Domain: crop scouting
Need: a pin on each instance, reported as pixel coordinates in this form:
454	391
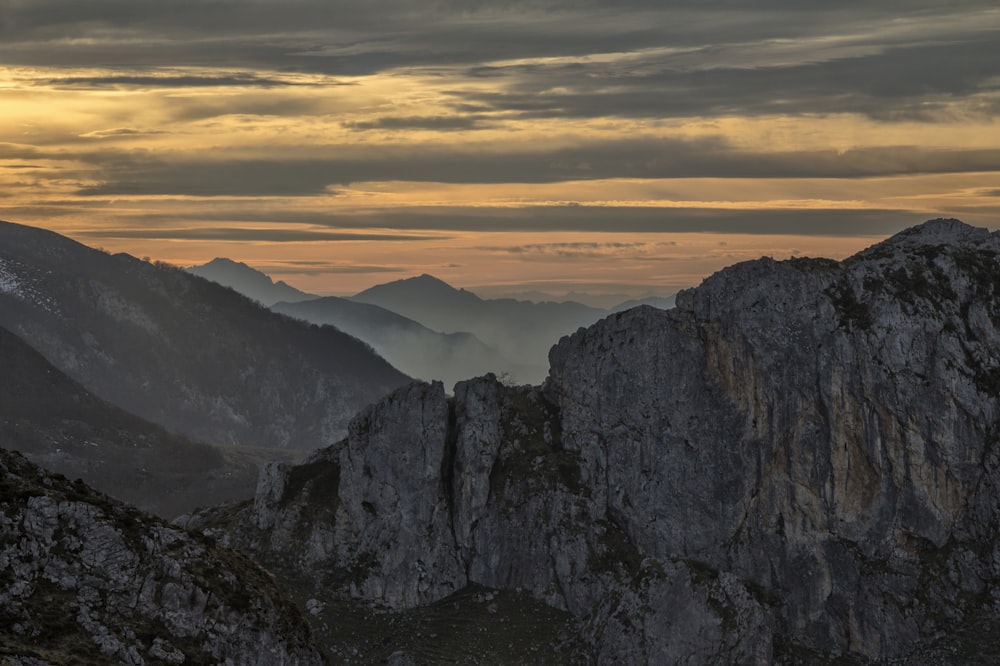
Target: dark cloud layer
131	174
906	82
689	58
167	81
274	235
634	219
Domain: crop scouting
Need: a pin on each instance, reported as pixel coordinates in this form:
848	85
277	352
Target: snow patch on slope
9	284
23	285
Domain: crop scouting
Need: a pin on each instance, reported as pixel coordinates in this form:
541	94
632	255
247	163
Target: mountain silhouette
415	349
661	302
249	281
521	330
181	351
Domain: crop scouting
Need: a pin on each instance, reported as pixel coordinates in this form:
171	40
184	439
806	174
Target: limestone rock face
799	462
84	579
394	518
825	432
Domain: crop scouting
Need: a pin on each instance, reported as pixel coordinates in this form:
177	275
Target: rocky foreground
87	580
798	463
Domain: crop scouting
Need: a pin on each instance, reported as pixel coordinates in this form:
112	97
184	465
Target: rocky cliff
87	580
798	463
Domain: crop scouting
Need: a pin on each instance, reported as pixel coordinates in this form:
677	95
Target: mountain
416	350
58	424
249	282
525	330
87	580
521	330
603	301
797	464
180	351
661	302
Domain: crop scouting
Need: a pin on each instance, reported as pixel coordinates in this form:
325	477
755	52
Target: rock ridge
798	463
85	579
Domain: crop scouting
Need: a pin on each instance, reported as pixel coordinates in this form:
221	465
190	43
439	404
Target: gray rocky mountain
413	348
181	351
87	580
797	464
249	282
522	331
58	424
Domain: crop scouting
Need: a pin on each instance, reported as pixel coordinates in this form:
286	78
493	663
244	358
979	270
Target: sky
627	147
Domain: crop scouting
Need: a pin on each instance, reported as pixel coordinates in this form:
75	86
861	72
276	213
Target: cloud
517	93
539	60
440	123
574	250
137	173
272	235
911	81
171	81
120	132
632	219
320	268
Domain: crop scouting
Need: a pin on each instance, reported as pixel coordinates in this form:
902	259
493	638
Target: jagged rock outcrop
799	462
85	579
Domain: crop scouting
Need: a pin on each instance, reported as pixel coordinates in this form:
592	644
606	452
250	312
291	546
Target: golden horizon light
604	148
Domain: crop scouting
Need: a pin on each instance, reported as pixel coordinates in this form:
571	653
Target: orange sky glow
546	148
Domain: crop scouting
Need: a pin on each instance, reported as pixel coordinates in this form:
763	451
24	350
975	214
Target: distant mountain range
660	302
520	330
427	328
610	302
415	349
181	351
57	423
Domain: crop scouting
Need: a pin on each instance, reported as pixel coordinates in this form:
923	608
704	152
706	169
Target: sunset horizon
518	147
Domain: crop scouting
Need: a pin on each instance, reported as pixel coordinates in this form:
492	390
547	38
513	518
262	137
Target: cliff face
84	579
800	460
825	432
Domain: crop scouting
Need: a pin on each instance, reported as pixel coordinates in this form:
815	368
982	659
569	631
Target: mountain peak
938	231
225	261
428	280
424	286
249	281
